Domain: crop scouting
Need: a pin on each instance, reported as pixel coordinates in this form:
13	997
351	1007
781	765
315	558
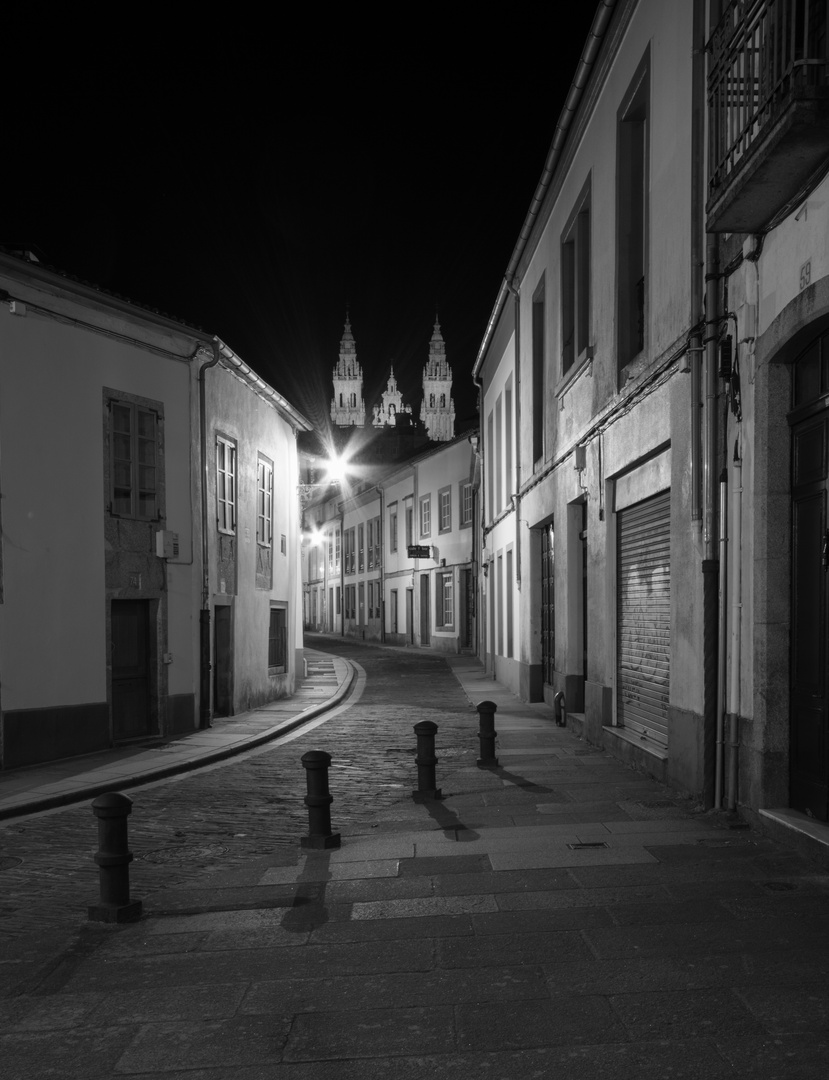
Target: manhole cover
8	861
183	854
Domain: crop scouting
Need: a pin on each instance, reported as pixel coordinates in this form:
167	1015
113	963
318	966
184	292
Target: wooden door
130	630
223	661
425	612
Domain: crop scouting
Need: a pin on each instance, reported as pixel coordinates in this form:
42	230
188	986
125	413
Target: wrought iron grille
760	53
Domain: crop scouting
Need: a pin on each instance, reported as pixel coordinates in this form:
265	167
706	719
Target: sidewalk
59	783
557	915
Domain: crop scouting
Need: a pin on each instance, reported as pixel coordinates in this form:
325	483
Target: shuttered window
644	618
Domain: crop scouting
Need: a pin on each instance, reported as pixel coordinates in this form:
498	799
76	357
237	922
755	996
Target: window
337	548
575	284
134	460
393	530
632	216
278	641
497	464
538	380
264	503
465	500
426	515
226	484
377	544
489	465
510	479
444	600
349	551
409	524
361	542
370	545
445	509
330	538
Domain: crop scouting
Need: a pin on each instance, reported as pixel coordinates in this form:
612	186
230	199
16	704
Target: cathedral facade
437	410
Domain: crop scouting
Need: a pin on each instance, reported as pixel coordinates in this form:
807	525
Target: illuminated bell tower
387	413
348	409
438	409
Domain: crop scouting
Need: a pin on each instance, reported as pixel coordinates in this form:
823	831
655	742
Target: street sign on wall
419	551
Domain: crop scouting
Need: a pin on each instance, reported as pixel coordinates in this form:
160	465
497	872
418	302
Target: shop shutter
644	617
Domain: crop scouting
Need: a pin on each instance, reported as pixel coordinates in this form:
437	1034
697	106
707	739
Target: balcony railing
765	56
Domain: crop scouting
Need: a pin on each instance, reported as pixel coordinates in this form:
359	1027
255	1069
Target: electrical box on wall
166	544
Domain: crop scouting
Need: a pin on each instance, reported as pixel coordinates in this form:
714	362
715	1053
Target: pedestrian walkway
56	783
556	914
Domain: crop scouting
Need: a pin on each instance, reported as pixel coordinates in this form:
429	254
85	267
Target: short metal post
318	800
487	733
113	858
426	761
560	707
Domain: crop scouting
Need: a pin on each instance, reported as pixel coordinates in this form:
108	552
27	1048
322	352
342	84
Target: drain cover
587	847
183	854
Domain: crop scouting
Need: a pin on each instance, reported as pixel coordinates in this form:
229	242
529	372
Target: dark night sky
257	187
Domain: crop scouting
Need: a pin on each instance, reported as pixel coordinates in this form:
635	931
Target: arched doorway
809	666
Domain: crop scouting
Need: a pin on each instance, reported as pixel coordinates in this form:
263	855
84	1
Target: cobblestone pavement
198	824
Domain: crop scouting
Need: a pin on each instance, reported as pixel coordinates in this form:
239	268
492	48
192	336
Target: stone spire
348	407
438	409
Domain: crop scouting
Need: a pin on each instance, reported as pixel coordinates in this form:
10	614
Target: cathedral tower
348	407
438	409
392	406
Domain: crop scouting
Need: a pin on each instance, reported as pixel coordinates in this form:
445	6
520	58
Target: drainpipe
721	659
204	615
736	628
697	266
712	695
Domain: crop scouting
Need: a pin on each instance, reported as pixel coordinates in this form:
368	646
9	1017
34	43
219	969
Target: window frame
226	506
393	528
465	521
576	282
264	502
136	409
425	515
445	509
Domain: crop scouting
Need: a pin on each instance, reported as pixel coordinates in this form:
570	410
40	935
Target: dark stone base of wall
181	714
31	736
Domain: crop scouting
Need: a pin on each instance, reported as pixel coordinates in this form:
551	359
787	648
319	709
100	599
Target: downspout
697	266
712	694
736	628
483	611
204	615
722	630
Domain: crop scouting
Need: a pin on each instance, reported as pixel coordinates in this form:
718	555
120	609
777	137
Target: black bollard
426	761
113	858
560	707
487	733
318	800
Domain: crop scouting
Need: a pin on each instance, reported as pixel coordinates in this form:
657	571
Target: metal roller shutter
644	617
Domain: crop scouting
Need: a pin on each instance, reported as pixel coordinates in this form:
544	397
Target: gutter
571	104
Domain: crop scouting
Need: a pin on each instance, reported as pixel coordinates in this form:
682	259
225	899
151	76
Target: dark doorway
425	613
131	667
410	616
223	662
548	603
809	747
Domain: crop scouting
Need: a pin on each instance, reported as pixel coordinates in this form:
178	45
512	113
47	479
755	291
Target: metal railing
760	53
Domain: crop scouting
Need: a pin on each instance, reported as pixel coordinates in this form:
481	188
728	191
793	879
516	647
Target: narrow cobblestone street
194	825
555	914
